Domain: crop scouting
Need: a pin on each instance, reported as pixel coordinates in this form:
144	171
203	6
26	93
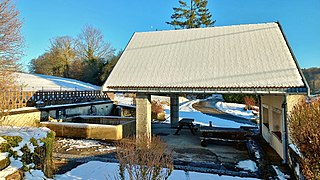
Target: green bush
304	125
41	157
47	161
12	141
238	98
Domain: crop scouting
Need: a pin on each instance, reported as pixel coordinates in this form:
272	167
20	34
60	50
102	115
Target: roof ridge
194	29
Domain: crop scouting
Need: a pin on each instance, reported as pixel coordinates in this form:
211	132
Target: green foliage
85	58
34	142
304	125
12	141
238	98
195	15
27	155
48	148
107	69
57	60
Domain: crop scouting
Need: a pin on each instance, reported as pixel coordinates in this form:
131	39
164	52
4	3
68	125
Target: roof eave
230	90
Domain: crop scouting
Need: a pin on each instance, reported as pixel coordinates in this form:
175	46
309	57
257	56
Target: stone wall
91	131
22	117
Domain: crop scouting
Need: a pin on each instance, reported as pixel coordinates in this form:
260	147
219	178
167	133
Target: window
277	122
265	116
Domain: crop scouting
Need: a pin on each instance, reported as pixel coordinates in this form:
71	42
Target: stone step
4	162
11	173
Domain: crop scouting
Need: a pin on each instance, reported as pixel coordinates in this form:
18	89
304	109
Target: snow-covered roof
239	56
38	82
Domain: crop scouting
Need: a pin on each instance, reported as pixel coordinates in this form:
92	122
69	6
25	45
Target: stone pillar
174	110
143	116
110	95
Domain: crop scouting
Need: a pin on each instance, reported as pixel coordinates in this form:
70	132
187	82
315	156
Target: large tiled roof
239	56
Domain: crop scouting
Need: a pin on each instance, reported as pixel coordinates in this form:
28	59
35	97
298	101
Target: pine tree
194	16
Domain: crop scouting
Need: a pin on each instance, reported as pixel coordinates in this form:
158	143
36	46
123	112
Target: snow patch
295	149
2	140
36	82
248	165
96	170
187	111
280	174
84	143
3	156
35	175
121	99
235	110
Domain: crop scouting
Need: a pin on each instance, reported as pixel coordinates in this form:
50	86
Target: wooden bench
186	122
221	134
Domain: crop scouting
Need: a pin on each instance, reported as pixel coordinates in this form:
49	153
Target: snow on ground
36	82
281	175
235	110
3	155
121	99
248	165
84	143
35	175
2	140
187	111
101	170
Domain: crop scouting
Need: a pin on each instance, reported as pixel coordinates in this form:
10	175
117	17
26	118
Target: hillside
313	77
36	82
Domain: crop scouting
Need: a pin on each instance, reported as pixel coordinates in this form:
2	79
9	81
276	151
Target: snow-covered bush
139	159
304	124
31	153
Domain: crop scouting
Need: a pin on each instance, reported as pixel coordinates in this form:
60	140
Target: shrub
12	141
250	102
143	160
238	98
156	108
304	125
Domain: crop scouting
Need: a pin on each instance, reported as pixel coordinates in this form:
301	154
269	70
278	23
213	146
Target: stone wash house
251	59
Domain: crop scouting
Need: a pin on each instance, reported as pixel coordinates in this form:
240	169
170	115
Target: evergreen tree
195	15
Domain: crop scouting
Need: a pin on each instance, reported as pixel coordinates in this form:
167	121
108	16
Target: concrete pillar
143	116
174	110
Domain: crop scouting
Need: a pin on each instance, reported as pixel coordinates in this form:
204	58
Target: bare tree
11	43
64	51
57	60
11	40
91	45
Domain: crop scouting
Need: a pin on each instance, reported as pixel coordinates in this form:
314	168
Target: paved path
207	107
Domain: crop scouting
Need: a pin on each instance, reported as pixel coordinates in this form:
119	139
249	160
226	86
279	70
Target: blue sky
118	20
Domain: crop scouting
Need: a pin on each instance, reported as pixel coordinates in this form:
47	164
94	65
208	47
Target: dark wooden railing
19	99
